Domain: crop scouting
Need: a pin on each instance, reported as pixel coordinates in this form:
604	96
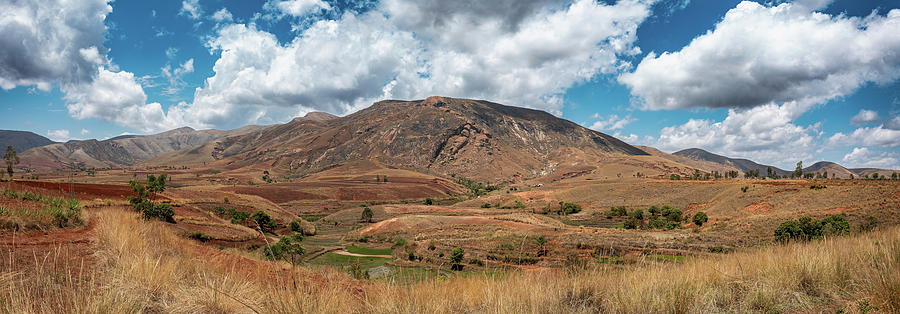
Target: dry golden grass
142	266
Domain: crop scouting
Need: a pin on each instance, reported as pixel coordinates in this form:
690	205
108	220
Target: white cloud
893	123
524	59
295	7
191	9
612	122
222	16
174	76
758	55
862	157
765	134
865	116
118	98
46	42
868	136
85	132
58	135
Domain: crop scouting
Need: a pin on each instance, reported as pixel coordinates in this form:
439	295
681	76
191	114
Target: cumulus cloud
611	122
862	157
85	132
295	8
764	134
758	55
191	9
868	136
865	116
527	56
893	123
47	42
222	16
116	97
58	135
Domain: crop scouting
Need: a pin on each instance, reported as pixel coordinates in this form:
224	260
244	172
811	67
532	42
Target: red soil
759	208
82	190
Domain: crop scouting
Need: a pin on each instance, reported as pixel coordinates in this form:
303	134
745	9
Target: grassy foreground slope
140	266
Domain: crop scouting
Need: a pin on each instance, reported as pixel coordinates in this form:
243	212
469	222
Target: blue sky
775	82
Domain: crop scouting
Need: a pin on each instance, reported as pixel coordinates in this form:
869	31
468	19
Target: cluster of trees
665	217
568	208
476	188
807	228
143	201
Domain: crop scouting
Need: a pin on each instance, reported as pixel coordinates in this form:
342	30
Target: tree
11	158
787	231
264	221
287	248
456	257
367	214
798	172
700	218
541	241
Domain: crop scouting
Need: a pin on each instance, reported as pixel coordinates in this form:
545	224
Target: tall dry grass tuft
143	267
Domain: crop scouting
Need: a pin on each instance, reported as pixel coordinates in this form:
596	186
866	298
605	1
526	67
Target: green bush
199	236
429	201
162	212
617	211
238	216
700	218
456	257
807	228
400	242
486	205
263	220
632	223
569	208
744	189
367	214
295	226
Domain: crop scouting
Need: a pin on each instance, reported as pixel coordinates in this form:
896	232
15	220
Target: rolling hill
743	165
21	140
119	151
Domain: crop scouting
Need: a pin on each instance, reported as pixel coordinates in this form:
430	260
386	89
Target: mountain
440	135
21	140
120	151
834	170
743	165
703	165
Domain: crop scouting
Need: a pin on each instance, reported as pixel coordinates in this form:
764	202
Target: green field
368	251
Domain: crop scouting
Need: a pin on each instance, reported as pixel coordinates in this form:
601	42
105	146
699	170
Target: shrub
788	230
429	201
431	245
200	236
476	261
869	224
162	212
367	214
617	211
486	205
519	205
631	223
456	257
700	218
569	208
238	216
400	242
287	248
637	214
219	210
264	221
807	228
671	213
817	187
744	189
295	226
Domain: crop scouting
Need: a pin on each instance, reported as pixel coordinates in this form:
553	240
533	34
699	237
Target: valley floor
121	263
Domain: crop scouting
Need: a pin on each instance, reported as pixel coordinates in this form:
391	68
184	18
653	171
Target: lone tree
12	159
456	257
541	241
798	173
700	218
367	214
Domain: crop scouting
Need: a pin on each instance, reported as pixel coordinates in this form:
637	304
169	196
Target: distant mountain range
834	170
438	135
